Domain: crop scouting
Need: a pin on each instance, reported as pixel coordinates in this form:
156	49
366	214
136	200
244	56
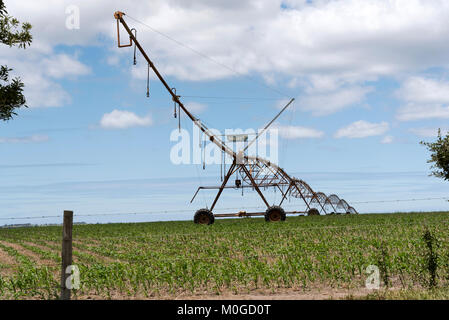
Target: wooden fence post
66	253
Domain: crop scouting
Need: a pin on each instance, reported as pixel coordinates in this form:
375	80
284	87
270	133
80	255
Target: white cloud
61	65
387	140
40	72
296	132
424	98
40	91
118	119
195	107
350	39
362	129
424	90
329	47
320	83
330	102
29	139
428	132
40	66
411	112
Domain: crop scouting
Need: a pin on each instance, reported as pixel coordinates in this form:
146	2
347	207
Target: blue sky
369	77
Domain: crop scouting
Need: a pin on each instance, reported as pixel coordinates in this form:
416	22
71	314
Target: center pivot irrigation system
254	172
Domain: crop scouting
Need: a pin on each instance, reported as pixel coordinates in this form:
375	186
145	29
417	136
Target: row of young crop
138	262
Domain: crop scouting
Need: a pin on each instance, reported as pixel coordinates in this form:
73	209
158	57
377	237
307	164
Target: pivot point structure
254	172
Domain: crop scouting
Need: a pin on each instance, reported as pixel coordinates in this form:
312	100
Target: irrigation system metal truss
255	172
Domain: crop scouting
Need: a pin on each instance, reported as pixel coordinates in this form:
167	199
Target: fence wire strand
188	210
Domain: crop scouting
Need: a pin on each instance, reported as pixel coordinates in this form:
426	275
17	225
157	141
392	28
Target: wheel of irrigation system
204	216
275	213
313	212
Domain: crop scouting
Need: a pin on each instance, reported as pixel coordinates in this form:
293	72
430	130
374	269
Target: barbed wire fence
188	210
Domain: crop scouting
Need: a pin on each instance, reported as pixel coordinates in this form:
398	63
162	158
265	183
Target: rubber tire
272	210
313	212
204	216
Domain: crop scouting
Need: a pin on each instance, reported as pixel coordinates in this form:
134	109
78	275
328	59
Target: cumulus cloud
118	119
330	102
40	72
297	132
195	107
29	139
424	90
40	66
330	48
428	132
62	65
362	129
411	112
354	39
424	98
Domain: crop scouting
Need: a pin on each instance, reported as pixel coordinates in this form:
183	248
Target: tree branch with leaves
439	156
12	33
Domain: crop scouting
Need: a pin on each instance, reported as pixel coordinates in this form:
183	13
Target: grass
237	256
410	294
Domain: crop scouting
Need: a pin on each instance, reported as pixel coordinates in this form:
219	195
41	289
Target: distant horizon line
28	225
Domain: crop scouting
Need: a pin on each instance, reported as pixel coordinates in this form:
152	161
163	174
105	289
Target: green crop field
235	257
